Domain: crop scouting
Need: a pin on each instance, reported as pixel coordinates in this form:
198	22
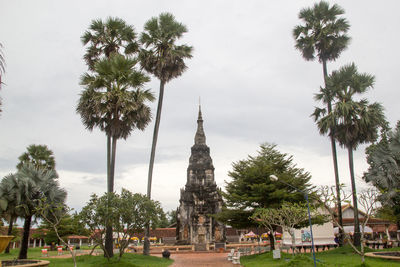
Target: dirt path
201	260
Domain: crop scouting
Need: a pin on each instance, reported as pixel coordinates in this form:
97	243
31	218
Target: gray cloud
254	87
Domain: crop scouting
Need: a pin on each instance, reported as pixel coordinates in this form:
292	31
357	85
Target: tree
130	213
9	201
114	101
39	156
323	35
252	188
35	184
53	215
368	201
351	122
383	158
104	39
163	58
289	216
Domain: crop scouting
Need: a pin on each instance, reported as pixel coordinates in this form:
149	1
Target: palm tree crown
106	38
38	155
109	101
354	122
323	34
161	56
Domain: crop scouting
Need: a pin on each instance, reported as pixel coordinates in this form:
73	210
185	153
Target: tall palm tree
113	36
163	58
351	122
38	155
33	185
323	35
114	101
103	39
9	201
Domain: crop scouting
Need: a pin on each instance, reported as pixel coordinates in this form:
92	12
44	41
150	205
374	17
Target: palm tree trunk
109	246
357	235
9	232
146	245
112	164
335	165
109	184
23	252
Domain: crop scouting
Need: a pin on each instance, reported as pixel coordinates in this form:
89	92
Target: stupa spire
200	137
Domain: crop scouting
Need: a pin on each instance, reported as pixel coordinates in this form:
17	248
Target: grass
127	260
333	258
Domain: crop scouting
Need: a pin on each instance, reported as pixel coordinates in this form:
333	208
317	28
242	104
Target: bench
230	255
236	258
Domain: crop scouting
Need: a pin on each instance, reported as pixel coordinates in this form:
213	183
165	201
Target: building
199	198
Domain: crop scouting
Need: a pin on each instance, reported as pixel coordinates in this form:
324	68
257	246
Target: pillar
34	243
40	242
387	231
69	241
80	242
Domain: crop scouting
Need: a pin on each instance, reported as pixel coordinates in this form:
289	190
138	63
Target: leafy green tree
289	216
163	58
130	213
9	202
353	122
251	186
39	156
323	35
54	216
35	184
383	158
171	217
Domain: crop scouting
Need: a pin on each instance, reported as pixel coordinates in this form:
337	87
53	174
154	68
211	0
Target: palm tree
38	155
351	122
384	170
163	58
33	185
9	202
113	36
104	39
323	36
114	101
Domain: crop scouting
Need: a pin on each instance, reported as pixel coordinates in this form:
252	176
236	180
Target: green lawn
336	257
128	260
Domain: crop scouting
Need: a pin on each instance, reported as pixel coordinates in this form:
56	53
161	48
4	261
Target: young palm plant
350	122
323	35
163	58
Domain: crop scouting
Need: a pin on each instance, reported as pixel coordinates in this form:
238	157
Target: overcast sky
254	88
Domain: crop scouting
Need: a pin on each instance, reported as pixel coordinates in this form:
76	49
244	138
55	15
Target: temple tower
200	197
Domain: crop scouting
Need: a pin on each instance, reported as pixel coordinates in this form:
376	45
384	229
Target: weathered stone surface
200	197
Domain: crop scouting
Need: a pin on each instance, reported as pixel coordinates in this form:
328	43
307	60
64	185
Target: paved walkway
201	260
